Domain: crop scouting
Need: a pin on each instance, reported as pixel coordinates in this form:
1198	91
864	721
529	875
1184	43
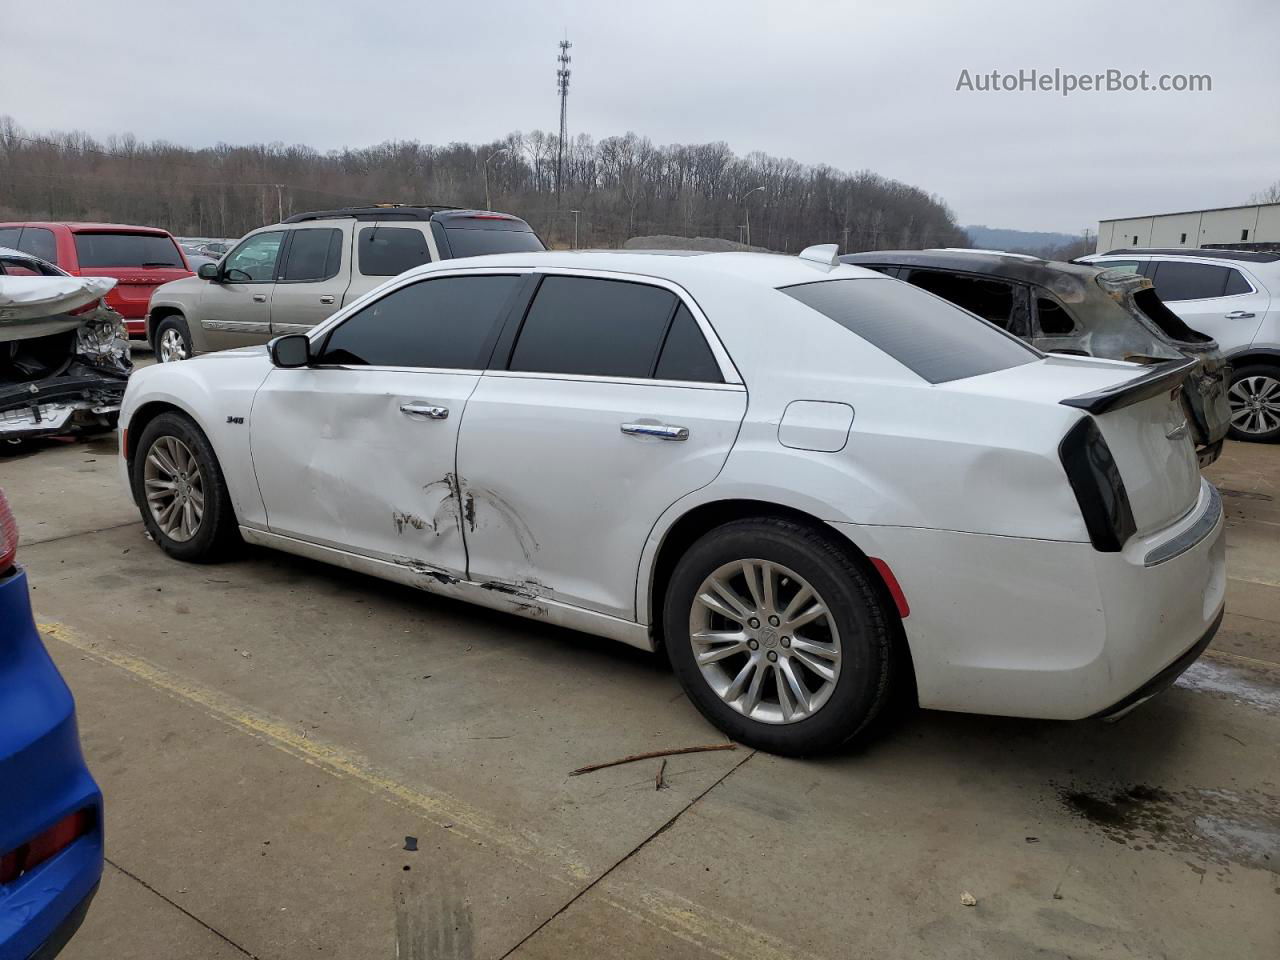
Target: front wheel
778	637
180	490
1255	403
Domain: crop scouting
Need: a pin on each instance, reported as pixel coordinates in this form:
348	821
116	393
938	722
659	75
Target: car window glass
1053	318
931	337
1121	266
39	242
313	255
476	243
126	250
9	237
685	354
449	322
581	325
990	299
254	261
1236	284
22	267
388	251
1179	280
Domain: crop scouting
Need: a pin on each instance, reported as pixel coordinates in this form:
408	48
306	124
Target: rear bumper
1052	629
1164	679
44	779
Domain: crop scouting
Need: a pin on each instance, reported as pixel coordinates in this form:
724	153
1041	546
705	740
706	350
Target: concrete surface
268	732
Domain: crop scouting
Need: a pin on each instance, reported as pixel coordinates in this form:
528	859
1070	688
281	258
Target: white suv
1234	297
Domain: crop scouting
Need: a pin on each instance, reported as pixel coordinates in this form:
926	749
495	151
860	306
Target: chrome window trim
634	381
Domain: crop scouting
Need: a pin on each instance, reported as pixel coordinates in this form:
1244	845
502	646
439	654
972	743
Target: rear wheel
778	636
1255	403
180	490
173	340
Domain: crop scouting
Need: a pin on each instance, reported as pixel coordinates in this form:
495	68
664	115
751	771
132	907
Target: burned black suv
1077	309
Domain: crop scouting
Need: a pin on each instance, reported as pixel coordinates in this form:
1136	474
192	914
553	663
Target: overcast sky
854	85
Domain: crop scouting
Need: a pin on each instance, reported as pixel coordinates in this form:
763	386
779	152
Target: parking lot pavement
268	732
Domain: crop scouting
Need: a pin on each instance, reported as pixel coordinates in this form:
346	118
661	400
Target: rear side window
990	299
450	322
126	250
930	337
313	255
9	237
1052	318
685	354
1236	284
476	243
603	328
1178	280
22	267
388	251
39	242
1120	266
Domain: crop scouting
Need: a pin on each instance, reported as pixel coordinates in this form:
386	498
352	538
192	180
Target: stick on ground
652	755
658	782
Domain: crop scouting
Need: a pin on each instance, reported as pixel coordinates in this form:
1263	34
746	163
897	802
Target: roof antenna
827	254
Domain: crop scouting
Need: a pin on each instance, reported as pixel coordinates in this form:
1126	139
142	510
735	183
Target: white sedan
812	484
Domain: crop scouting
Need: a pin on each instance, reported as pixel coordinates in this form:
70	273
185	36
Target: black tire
1256	373
218	533
177	325
867	666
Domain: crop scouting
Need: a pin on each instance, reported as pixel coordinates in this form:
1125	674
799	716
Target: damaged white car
64	354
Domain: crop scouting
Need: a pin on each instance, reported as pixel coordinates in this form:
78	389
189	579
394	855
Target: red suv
141	258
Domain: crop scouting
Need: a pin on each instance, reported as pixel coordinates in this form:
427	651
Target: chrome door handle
663	431
259	298
1239	315
327	298
428	410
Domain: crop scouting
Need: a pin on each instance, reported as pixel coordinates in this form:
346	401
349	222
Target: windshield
127	250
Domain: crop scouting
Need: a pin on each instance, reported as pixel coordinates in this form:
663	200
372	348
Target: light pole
747	210
575	227
488	204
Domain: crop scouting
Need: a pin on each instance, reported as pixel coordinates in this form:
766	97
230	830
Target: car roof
1247	256
679	266
1007	266
398	211
78	226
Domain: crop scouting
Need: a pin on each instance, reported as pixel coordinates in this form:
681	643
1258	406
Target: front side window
389	251
126	250
313	255
1179	280
39	242
591	327
254	261
937	341
449	322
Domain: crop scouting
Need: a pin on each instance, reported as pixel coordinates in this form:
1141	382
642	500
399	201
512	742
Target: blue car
50	807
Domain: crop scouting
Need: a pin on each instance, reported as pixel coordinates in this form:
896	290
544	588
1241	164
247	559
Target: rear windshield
476	243
126	250
934	339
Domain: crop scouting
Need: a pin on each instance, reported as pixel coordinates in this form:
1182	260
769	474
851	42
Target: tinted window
1236	283
254	261
685	354
1053	318
1176	280
22	267
1120	266
929	336
313	255
9	237
387	251
126	250
476	243
450	322
990	299
606	328
39	242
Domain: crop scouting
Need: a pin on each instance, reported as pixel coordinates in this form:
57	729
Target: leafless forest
621	186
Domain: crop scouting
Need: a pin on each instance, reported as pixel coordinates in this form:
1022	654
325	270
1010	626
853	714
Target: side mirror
291	350
208	271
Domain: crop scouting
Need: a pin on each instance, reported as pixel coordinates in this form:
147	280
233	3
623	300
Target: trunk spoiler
1165	376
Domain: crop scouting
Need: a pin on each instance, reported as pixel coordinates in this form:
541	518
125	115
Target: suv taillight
8	535
1098	486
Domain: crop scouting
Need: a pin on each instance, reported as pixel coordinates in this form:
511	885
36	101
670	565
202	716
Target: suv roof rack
379	211
1248	256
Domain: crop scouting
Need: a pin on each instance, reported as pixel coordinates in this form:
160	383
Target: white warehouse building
1252	227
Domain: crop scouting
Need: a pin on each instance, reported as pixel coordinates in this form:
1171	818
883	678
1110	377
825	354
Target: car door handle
1239	315
259	298
428	410
327	298
663	431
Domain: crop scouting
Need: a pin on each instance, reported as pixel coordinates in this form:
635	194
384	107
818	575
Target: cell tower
562	86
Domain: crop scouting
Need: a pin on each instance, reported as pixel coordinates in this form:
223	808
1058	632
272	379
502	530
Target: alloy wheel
765	641
174	488
1255	404
172	346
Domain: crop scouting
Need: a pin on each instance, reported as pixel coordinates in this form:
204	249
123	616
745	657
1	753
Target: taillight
8	535
1098	486
45	844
